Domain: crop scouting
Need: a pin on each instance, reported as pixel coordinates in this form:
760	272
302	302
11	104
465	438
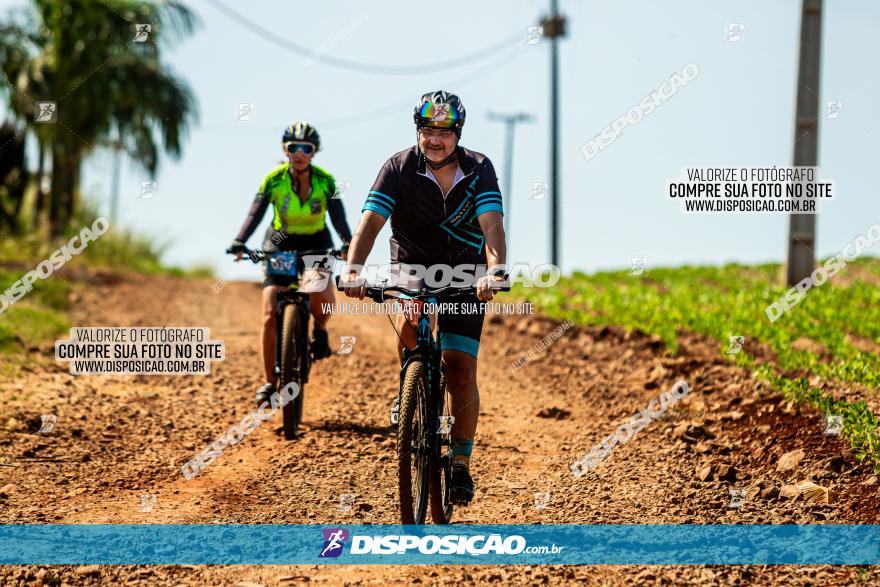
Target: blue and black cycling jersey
426	227
429	229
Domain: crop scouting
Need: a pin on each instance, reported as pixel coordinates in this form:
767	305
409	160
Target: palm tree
110	89
13	175
25	73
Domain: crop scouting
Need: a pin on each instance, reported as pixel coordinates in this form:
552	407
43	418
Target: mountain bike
424	421
293	357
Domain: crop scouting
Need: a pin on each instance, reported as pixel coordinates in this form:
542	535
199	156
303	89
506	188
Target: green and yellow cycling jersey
293	216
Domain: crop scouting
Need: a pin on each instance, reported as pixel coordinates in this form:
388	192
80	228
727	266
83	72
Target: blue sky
739	112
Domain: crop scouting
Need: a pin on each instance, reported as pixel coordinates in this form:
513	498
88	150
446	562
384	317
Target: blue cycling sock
462	447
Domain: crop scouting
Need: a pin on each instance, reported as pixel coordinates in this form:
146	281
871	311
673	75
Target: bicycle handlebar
258	255
377	292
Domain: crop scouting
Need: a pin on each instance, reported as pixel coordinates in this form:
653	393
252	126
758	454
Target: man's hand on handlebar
487	285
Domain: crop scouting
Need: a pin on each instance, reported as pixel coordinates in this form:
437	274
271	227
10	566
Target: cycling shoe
461	485
264	393
320	344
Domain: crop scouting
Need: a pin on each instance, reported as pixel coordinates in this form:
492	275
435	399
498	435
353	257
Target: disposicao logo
334	540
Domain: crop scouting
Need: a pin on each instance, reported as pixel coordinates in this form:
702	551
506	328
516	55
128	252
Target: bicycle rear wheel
413	458
291	335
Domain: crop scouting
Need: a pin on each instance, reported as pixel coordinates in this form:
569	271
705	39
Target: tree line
79	76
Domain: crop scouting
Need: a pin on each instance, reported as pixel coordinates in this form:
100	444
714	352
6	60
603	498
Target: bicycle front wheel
413	457
441	506
291	336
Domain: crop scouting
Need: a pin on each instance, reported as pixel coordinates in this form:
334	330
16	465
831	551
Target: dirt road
120	437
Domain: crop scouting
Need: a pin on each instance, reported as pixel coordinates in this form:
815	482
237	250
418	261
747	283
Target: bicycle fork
301	371
431	355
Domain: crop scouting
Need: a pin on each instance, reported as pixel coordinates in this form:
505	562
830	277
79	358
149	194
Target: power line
395	109
376	113
283	43
371	115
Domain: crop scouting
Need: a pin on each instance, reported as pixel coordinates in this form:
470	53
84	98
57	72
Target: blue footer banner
271	544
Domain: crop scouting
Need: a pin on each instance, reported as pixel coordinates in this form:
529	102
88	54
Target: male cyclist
301	194
445	208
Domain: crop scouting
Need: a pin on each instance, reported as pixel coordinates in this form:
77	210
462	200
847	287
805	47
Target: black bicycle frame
428	350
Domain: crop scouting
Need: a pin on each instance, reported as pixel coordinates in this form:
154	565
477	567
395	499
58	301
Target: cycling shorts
459	328
280	241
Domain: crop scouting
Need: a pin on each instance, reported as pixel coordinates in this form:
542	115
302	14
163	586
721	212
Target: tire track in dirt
534	422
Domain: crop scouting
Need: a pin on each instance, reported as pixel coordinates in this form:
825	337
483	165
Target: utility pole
509	121
114	195
554	27
117	172
802	227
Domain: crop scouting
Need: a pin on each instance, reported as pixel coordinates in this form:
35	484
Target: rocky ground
121	437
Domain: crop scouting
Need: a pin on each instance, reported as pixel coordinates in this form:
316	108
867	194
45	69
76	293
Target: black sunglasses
306	148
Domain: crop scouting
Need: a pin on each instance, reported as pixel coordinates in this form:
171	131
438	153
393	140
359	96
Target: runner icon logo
45	112
334	540
832	108
47	423
639	264
446	423
735	31
147	502
539	190
441	111
346	344
148	190
542	498
736	344
535	34
737	498
833	424
142	32
346	500
342	188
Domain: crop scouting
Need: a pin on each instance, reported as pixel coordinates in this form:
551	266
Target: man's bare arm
492	224
361	245
493	229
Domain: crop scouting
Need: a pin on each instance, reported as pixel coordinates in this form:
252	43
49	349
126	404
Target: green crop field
839	320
